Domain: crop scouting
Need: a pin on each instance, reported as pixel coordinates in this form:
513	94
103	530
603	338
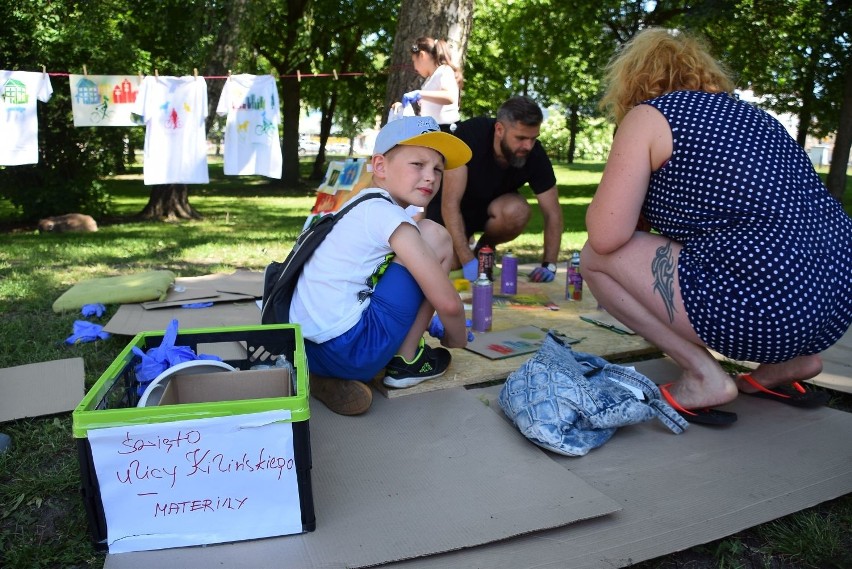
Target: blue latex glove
542	275
157	360
197	305
93	310
436	328
470	270
86	332
411	97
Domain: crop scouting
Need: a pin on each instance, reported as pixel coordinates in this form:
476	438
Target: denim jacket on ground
571	402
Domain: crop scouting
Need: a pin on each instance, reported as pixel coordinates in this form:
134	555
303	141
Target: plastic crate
111	402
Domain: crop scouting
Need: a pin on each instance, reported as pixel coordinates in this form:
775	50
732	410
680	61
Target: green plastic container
111	402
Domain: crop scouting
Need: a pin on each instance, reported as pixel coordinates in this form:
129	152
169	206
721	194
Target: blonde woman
750	254
439	94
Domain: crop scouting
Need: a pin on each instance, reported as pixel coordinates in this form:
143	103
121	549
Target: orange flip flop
706	416
794	394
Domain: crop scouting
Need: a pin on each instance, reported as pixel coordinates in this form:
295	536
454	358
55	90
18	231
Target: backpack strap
281	282
361	198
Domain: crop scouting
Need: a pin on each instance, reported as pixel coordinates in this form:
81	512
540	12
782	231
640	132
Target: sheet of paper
198	481
509	343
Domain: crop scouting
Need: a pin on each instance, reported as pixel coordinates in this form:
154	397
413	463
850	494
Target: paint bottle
486	262
574	280
482	309
509	274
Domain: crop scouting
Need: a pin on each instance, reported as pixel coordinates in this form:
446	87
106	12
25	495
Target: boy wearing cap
368	293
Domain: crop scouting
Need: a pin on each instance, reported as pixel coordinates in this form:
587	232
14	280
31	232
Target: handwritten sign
198	481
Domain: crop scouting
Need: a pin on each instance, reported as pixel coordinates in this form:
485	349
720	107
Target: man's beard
511	158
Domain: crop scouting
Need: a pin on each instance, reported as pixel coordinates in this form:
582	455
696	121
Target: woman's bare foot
773	375
710	390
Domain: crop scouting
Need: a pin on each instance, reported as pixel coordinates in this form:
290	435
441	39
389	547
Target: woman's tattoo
663	268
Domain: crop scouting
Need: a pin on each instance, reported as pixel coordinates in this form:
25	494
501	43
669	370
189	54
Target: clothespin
140	77
85	71
335	73
195	72
43	69
156	73
298	76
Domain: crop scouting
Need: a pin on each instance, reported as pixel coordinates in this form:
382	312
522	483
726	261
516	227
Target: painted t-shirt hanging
174	110
252	144
19	91
103	100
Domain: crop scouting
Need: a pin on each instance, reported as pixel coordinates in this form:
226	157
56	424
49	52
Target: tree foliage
805	49
349	36
71	160
795	52
109	36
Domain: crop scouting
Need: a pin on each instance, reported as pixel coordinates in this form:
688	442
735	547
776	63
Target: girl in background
439	94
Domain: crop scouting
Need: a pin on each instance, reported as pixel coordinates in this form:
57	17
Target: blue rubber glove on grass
85	331
96	310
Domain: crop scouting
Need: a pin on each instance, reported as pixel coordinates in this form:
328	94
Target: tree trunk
440	19
836	180
224	56
330	106
169	202
805	114
290	111
573	127
326	117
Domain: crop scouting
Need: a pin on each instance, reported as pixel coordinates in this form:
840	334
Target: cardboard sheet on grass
837	366
42	388
469	368
412	477
679	491
233	296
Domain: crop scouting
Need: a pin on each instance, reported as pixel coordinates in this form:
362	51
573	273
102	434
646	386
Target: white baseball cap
423	131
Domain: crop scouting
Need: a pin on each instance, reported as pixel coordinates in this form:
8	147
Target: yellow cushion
126	289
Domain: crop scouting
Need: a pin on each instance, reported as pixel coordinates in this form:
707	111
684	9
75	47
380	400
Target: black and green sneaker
428	363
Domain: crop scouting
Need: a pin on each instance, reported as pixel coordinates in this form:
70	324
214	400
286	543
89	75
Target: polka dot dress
766	266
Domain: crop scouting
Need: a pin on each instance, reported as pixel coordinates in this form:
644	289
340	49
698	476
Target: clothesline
298	75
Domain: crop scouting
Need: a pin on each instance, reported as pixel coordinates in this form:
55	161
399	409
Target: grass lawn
247	223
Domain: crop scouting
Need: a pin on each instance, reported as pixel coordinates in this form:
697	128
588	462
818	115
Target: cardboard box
219	446
228	386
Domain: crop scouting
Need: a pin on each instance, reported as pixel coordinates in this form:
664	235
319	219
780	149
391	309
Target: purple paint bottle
482	309
509	274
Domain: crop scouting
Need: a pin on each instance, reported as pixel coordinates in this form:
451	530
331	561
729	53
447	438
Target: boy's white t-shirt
444	79
174	110
19	91
252	144
337	281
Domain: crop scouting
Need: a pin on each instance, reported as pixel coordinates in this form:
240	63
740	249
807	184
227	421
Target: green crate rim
85	417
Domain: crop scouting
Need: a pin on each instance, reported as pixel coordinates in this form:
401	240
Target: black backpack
279	280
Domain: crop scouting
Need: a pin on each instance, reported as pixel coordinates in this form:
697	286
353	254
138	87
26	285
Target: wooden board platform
468	368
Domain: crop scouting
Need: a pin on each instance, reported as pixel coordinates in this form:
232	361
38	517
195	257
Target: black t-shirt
487	179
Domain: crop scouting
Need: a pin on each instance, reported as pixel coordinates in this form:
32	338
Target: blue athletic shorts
362	351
